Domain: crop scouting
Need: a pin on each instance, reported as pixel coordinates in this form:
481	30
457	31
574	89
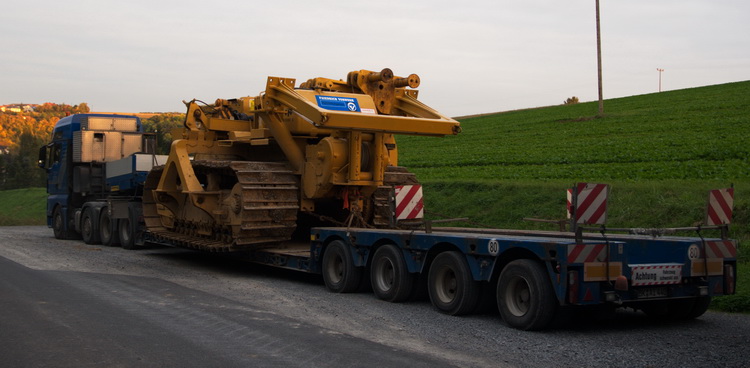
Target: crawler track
260	209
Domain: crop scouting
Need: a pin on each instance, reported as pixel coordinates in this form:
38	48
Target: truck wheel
58	225
525	297
339	272
390	278
89	232
126	233
107	233
451	286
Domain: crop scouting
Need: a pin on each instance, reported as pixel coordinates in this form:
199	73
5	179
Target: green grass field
661	153
23	207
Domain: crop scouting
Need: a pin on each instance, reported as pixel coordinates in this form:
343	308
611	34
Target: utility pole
599	60
660	71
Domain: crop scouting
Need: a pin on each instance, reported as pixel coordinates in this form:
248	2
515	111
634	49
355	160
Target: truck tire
451	287
89	231
389	276
339	273
107	228
525	297
58	224
126	233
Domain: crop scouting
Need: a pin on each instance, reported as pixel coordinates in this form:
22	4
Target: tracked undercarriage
259	203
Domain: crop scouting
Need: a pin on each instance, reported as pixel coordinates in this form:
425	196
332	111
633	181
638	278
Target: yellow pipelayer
245	168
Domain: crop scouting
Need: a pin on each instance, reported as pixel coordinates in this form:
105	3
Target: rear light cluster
573	287
729	279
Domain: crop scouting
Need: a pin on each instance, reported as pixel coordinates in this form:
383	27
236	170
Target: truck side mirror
44	152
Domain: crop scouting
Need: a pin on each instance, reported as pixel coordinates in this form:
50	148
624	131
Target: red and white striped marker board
719	209
591	204
721	249
409	202
582	253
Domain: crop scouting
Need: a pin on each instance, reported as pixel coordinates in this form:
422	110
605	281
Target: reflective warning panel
656	274
719	209
591	203
409	202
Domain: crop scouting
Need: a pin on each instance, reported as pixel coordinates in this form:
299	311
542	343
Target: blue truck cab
78	184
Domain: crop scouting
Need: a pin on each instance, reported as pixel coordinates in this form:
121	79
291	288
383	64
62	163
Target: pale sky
472	56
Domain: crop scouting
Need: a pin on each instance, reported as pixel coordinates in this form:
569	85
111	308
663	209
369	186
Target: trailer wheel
700	307
107	232
126	233
451	286
339	273
89	232
677	309
525	297
390	278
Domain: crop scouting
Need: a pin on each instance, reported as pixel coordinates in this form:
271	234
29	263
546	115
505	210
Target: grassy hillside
23	207
697	133
661	153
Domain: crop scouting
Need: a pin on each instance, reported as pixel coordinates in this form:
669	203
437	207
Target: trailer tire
525	297
677	309
699	308
655	308
389	275
89	231
126	233
107	228
339	273
451	287
680	309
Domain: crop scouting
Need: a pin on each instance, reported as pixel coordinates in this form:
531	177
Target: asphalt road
68	304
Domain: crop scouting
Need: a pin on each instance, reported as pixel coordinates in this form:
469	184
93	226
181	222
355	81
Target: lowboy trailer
531	276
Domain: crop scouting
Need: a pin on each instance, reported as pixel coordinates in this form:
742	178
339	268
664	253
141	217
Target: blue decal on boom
338	103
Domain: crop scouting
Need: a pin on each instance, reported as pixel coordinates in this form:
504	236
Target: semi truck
307	178
96	165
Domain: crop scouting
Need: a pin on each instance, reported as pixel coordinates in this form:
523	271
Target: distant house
17	108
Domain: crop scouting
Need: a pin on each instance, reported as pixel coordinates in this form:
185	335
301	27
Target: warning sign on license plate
656	274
